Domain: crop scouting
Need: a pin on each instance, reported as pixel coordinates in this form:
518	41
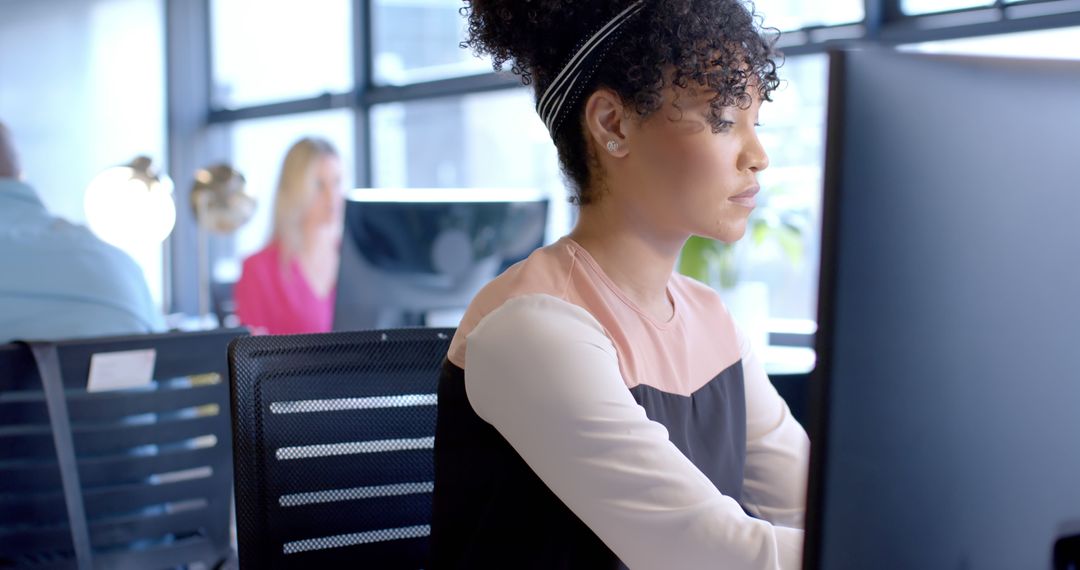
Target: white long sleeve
544	373
777	449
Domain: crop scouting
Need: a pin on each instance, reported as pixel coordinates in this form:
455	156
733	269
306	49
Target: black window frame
193	113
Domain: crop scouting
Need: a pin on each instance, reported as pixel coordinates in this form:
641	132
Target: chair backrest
333	447
154	474
794	388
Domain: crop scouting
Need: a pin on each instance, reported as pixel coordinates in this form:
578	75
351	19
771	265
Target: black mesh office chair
154	472
333	447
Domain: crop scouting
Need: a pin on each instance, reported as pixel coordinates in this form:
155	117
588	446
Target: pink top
664	437
678	356
272	298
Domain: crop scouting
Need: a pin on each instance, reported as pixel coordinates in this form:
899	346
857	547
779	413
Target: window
915	7
793	133
796	14
1063	43
416	40
272	50
495	139
486	140
259	147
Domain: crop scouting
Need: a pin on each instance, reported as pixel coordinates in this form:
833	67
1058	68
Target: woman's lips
748	198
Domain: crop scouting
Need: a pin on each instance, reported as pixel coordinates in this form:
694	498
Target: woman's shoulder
694	288
547	271
267	257
699	297
704	312
259	273
272	250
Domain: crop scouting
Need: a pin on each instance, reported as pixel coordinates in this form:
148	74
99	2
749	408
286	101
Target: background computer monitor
948	386
415	257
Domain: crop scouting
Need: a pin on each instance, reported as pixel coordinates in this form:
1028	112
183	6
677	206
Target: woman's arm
777	449
545	375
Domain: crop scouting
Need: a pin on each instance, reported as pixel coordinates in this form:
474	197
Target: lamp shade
130	204
220	199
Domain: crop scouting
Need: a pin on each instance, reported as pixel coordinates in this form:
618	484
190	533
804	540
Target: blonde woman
289	286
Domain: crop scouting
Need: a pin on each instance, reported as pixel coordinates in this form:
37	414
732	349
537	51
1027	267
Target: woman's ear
606	122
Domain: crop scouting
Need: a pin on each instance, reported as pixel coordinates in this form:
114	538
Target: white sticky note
121	370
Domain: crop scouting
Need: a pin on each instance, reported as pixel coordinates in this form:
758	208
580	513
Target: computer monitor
947	430
416	257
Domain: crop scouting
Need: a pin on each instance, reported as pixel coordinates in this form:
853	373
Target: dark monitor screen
410	253
947	430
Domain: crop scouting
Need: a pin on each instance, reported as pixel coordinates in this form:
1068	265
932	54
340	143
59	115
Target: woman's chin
728	233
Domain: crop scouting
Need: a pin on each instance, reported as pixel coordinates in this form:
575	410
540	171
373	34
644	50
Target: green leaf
695	258
792	244
728	267
759	231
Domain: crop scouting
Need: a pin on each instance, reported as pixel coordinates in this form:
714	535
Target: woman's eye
724	126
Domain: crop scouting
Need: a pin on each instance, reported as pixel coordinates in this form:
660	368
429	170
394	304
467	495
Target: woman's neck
316	240
318	258
637	261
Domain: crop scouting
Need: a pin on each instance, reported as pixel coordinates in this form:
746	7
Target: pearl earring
612	145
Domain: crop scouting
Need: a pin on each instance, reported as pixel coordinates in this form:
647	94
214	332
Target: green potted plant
717	264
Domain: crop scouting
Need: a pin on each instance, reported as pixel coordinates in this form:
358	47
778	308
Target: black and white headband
563	92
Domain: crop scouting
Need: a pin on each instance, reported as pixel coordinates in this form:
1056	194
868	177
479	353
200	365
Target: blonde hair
296	189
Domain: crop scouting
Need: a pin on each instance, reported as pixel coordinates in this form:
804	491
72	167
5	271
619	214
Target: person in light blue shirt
58	280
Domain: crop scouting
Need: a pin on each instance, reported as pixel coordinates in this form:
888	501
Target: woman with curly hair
597	410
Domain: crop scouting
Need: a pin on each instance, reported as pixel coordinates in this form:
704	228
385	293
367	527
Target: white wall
82	85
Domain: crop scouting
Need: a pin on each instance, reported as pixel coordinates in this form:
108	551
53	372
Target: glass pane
258	149
915	7
793	133
1063	43
417	40
454	143
796	14
275	50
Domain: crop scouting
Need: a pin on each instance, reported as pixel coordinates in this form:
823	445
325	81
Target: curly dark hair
717	45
